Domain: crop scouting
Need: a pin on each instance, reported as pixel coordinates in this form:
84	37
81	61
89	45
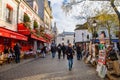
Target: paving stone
50	69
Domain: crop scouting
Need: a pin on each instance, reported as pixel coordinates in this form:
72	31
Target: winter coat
17	49
69	53
78	50
63	48
59	49
53	48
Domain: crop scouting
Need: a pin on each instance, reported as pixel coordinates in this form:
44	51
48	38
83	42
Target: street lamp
82	37
94	26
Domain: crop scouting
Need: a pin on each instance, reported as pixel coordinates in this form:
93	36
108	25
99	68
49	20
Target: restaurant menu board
101	68
102	57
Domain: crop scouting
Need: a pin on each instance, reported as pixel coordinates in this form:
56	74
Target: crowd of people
65	51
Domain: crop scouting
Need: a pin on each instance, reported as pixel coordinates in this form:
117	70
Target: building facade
20	22
66	38
82	36
8	24
45	13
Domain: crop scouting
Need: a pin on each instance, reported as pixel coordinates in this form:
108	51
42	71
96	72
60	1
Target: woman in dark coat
59	51
78	50
70	53
17	53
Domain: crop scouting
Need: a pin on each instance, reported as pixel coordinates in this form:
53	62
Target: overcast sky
64	22
67	22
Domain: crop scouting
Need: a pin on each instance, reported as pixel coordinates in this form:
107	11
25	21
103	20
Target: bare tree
113	3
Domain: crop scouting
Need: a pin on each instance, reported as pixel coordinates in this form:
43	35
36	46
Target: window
9	13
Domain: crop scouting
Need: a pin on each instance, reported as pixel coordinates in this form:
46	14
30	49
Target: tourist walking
53	49
78	50
63	48
59	51
70	53
43	51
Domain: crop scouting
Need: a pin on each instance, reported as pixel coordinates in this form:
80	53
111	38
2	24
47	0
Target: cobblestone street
49	69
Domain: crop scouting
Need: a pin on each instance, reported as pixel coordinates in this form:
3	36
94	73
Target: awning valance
23	30
38	38
113	40
11	34
48	36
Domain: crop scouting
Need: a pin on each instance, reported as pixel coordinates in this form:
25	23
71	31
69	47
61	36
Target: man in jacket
17	53
70	53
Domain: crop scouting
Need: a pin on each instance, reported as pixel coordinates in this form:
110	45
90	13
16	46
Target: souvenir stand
101	65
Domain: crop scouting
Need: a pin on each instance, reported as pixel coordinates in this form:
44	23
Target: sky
67	22
64	22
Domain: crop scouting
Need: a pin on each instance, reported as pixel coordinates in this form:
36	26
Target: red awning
38	38
23	30
11	34
9	6
47	41
48	36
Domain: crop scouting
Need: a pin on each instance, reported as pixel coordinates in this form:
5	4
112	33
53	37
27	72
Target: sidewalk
7	66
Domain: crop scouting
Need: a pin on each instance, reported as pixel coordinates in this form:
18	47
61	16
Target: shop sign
0	33
13	36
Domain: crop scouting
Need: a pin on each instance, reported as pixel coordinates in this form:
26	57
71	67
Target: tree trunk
118	14
108	28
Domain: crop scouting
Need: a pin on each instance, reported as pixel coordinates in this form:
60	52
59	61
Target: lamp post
94	31
82	37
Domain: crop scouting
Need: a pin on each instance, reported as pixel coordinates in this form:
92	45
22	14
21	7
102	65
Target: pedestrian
17	52
59	50
53	49
79	53
43	51
6	51
10	54
63	48
70	53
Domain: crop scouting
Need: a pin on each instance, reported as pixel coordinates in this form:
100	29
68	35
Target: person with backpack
53	49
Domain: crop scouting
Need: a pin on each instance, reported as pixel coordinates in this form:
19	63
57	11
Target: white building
82	35
65	37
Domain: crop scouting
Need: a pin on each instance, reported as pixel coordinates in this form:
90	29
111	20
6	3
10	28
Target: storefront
9	38
33	41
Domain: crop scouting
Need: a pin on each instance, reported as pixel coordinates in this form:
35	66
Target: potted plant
26	20
35	24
